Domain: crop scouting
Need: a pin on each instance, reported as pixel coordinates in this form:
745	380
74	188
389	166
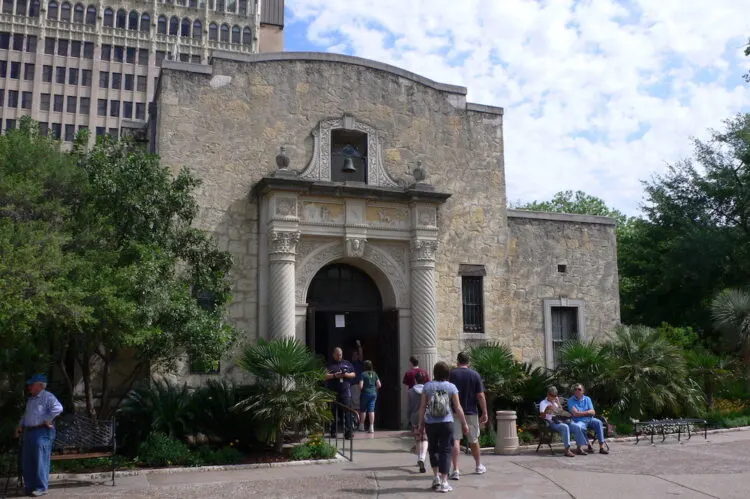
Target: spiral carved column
424	309
281	303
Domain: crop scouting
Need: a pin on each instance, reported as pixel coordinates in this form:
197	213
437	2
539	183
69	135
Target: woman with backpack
436	418
368	387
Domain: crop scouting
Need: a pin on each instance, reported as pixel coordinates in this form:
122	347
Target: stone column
282	247
423	306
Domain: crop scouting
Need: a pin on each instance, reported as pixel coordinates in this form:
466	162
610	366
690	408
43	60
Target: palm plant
588	363
289	393
500	372
212	408
731	315
160	406
709	370
650	374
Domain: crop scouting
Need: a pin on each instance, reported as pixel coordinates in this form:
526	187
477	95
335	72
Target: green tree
100	254
577	202
695	238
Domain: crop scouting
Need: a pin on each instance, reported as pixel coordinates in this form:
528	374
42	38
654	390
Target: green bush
315	448
160	450
225	455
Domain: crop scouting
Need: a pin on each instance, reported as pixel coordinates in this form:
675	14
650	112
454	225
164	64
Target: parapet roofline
339	58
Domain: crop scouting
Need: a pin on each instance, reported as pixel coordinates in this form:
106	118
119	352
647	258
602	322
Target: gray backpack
439	404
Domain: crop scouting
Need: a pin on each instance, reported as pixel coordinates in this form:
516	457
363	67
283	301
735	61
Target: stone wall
538	243
228	121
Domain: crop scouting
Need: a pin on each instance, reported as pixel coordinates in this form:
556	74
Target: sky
599	95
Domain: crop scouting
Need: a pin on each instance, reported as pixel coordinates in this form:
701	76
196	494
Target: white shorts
473	421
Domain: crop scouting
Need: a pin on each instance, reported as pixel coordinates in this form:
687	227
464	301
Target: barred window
564	329
472	296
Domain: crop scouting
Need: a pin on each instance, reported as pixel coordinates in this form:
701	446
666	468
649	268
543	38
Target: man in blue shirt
473	401
339	376
582	410
38	434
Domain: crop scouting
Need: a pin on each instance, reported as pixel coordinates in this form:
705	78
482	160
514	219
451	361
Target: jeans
440	445
367	402
37	448
336	410
582	426
564	432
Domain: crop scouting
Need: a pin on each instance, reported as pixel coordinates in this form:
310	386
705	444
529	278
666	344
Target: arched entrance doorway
345	305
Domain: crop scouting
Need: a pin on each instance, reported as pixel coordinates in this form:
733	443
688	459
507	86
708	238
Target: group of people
450	406
577	419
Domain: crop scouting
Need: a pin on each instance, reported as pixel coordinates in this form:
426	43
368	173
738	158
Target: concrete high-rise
75	65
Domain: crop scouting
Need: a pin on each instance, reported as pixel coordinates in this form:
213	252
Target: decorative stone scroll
319	167
282	243
355	247
423	250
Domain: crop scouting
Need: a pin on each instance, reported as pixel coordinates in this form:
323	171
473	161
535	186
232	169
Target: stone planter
506	441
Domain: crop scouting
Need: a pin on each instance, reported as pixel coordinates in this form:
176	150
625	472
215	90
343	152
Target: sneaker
481	470
455	475
39	493
445	487
361	428
436	483
372	429
422	469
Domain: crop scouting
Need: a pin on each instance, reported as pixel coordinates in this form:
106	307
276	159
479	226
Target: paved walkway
717	467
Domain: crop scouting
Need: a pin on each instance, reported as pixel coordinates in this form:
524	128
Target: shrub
160	406
588	363
288	395
160	450
649	375
224	455
211	407
315	448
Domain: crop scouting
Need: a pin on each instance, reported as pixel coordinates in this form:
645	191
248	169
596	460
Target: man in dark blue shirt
471	395
340	374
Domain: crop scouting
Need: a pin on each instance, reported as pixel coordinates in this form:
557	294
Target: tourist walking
339	374
471	394
410	376
414	397
36	427
436	418
368	387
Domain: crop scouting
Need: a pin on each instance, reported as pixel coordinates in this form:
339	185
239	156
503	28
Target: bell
348	166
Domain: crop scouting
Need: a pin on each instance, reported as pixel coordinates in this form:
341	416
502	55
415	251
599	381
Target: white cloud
599	94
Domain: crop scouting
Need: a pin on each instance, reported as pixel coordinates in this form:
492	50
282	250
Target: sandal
568	453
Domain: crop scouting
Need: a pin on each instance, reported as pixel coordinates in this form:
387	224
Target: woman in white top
548	408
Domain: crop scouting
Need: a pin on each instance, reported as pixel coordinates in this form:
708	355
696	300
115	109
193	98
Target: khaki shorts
473	421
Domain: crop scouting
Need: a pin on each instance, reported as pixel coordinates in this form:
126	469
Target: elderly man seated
582	409
551	409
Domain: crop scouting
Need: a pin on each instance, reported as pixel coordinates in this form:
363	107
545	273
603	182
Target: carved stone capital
282	242
423	250
355	247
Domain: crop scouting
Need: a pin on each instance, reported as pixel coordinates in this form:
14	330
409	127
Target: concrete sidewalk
717	467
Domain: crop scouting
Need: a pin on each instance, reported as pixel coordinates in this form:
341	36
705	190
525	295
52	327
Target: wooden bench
79	437
546	434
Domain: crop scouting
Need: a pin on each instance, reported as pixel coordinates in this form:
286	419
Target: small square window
114	108
58	103
44	100
73	76
562	268
47	74
75	49
86	77
15	70
116	80
26	100
129	82
71	104
85	104
103	80
49	46
62	47
101	107
28	71
88	50
60	71
106	52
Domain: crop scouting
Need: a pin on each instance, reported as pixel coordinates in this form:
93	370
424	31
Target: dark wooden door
389	398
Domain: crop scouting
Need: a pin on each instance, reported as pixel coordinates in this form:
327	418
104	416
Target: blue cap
37	378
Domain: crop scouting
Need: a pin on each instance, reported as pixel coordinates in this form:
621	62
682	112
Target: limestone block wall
538	243
227	121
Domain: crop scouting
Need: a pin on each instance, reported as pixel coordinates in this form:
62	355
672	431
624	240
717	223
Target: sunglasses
579	389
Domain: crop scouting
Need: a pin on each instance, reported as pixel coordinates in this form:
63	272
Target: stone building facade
383	218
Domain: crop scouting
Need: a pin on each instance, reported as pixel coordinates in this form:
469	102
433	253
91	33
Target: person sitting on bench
551	409
582	409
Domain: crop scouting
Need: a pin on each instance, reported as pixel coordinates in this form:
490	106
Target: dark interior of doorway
344	306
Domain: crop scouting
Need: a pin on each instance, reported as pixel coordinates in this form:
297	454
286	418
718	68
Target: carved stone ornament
355	247
423	249
319	168
282	159
284	242
286	207
420	172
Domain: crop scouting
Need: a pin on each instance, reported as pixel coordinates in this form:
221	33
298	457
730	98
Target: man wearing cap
38	434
